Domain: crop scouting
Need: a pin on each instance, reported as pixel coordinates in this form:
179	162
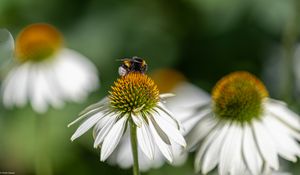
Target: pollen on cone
134	91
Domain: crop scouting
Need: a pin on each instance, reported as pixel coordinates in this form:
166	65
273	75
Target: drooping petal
21	91
169	129
145	140
227	151
37	98
162	108
210	158
44	91
160	132
285	145
200	131
8	87
206	144
89	114
251	154
265	145
136	119
75	75
284	114
109	123
6	46
86	125
237	165
163	147
94	106
113	138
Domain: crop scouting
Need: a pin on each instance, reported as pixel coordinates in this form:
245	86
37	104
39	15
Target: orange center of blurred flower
239	96
167	79
37	42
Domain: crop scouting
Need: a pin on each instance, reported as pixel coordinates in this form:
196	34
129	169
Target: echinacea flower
47	73
134	104
242	130
187	97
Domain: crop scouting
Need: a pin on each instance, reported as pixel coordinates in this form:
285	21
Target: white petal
124	152
206	143
250	152
162	108
188	95
37	99
109	123
285	145
211	156
86	125
113	138
145	140
12	89
180	154
282	127
160	132
265	144
167	95
200	131
227	151
137	119
284	114
103	108
6	46
94	106
185	105
163	147
237	165
21	85
190	117
76	75
101	123
169	129
45	90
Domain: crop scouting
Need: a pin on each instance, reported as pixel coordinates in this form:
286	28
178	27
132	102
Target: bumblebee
134	64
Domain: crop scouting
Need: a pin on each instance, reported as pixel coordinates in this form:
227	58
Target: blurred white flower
46	72
134	100
6	47
182	105
242	130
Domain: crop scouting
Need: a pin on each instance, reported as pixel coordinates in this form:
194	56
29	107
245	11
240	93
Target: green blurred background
203	39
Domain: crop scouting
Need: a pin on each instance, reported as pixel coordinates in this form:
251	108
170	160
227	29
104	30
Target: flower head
242	130
133	99
187	97
239	97
46	73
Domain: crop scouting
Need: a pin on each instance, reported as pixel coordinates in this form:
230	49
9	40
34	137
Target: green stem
42	161
134	148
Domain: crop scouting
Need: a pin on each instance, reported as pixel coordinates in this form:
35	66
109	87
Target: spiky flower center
239	97
37	42
134	92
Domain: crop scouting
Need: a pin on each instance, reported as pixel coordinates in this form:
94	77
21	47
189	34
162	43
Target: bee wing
122	71
7	46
